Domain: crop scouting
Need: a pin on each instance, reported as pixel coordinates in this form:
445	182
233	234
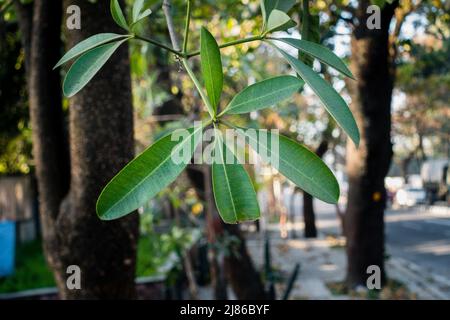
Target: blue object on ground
7	247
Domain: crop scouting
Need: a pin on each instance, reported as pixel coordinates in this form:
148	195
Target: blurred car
410	197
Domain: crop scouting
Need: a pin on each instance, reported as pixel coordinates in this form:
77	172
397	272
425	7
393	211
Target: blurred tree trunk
367	166
245	281
309	216
240	272
101	142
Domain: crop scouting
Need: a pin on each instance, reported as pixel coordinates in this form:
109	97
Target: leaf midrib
336	111
209	69
295	169
151	172
226	178
340	66
260	97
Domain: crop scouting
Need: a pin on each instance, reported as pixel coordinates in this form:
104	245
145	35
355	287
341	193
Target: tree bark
245	281
41	39
368	165
101	143
309	216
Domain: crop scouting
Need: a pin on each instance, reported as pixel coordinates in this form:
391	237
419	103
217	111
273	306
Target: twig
158	44
170	25
186	28
229	44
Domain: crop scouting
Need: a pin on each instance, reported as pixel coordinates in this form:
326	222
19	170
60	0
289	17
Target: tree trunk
213	229
101	143
50	150
245	281
101	132
368	165
309	217
241	274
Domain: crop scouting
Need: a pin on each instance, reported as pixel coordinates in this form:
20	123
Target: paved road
421	237
418	235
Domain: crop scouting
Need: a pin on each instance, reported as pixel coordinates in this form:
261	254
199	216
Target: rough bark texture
368	165
242	276
50	148
309	217
101	143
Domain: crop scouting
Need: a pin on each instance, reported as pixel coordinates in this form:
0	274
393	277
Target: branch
170	25
158	44
186	28
229	44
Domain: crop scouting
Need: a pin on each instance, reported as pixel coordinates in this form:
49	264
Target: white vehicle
409	197
436	179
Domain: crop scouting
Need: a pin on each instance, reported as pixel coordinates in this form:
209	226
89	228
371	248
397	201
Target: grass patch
32	272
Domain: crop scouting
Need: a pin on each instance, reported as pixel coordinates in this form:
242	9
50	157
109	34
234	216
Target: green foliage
146	175
233	190
15	136
263	94
153	252
332	101
137	8
211	68
88	44
267	6
319	52
117	14
156	251
310	30
86	67
31	270
138	12
154	169
278	20
300	165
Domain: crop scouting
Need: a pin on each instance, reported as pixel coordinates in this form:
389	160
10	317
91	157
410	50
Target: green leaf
233	190
264	94
89	44
144	14
278	20
332	101
145	176
86	67
268	5
211	63
117	14
297	163
310	31
137	8
319	52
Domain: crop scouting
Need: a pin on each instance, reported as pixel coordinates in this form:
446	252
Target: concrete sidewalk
323	261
